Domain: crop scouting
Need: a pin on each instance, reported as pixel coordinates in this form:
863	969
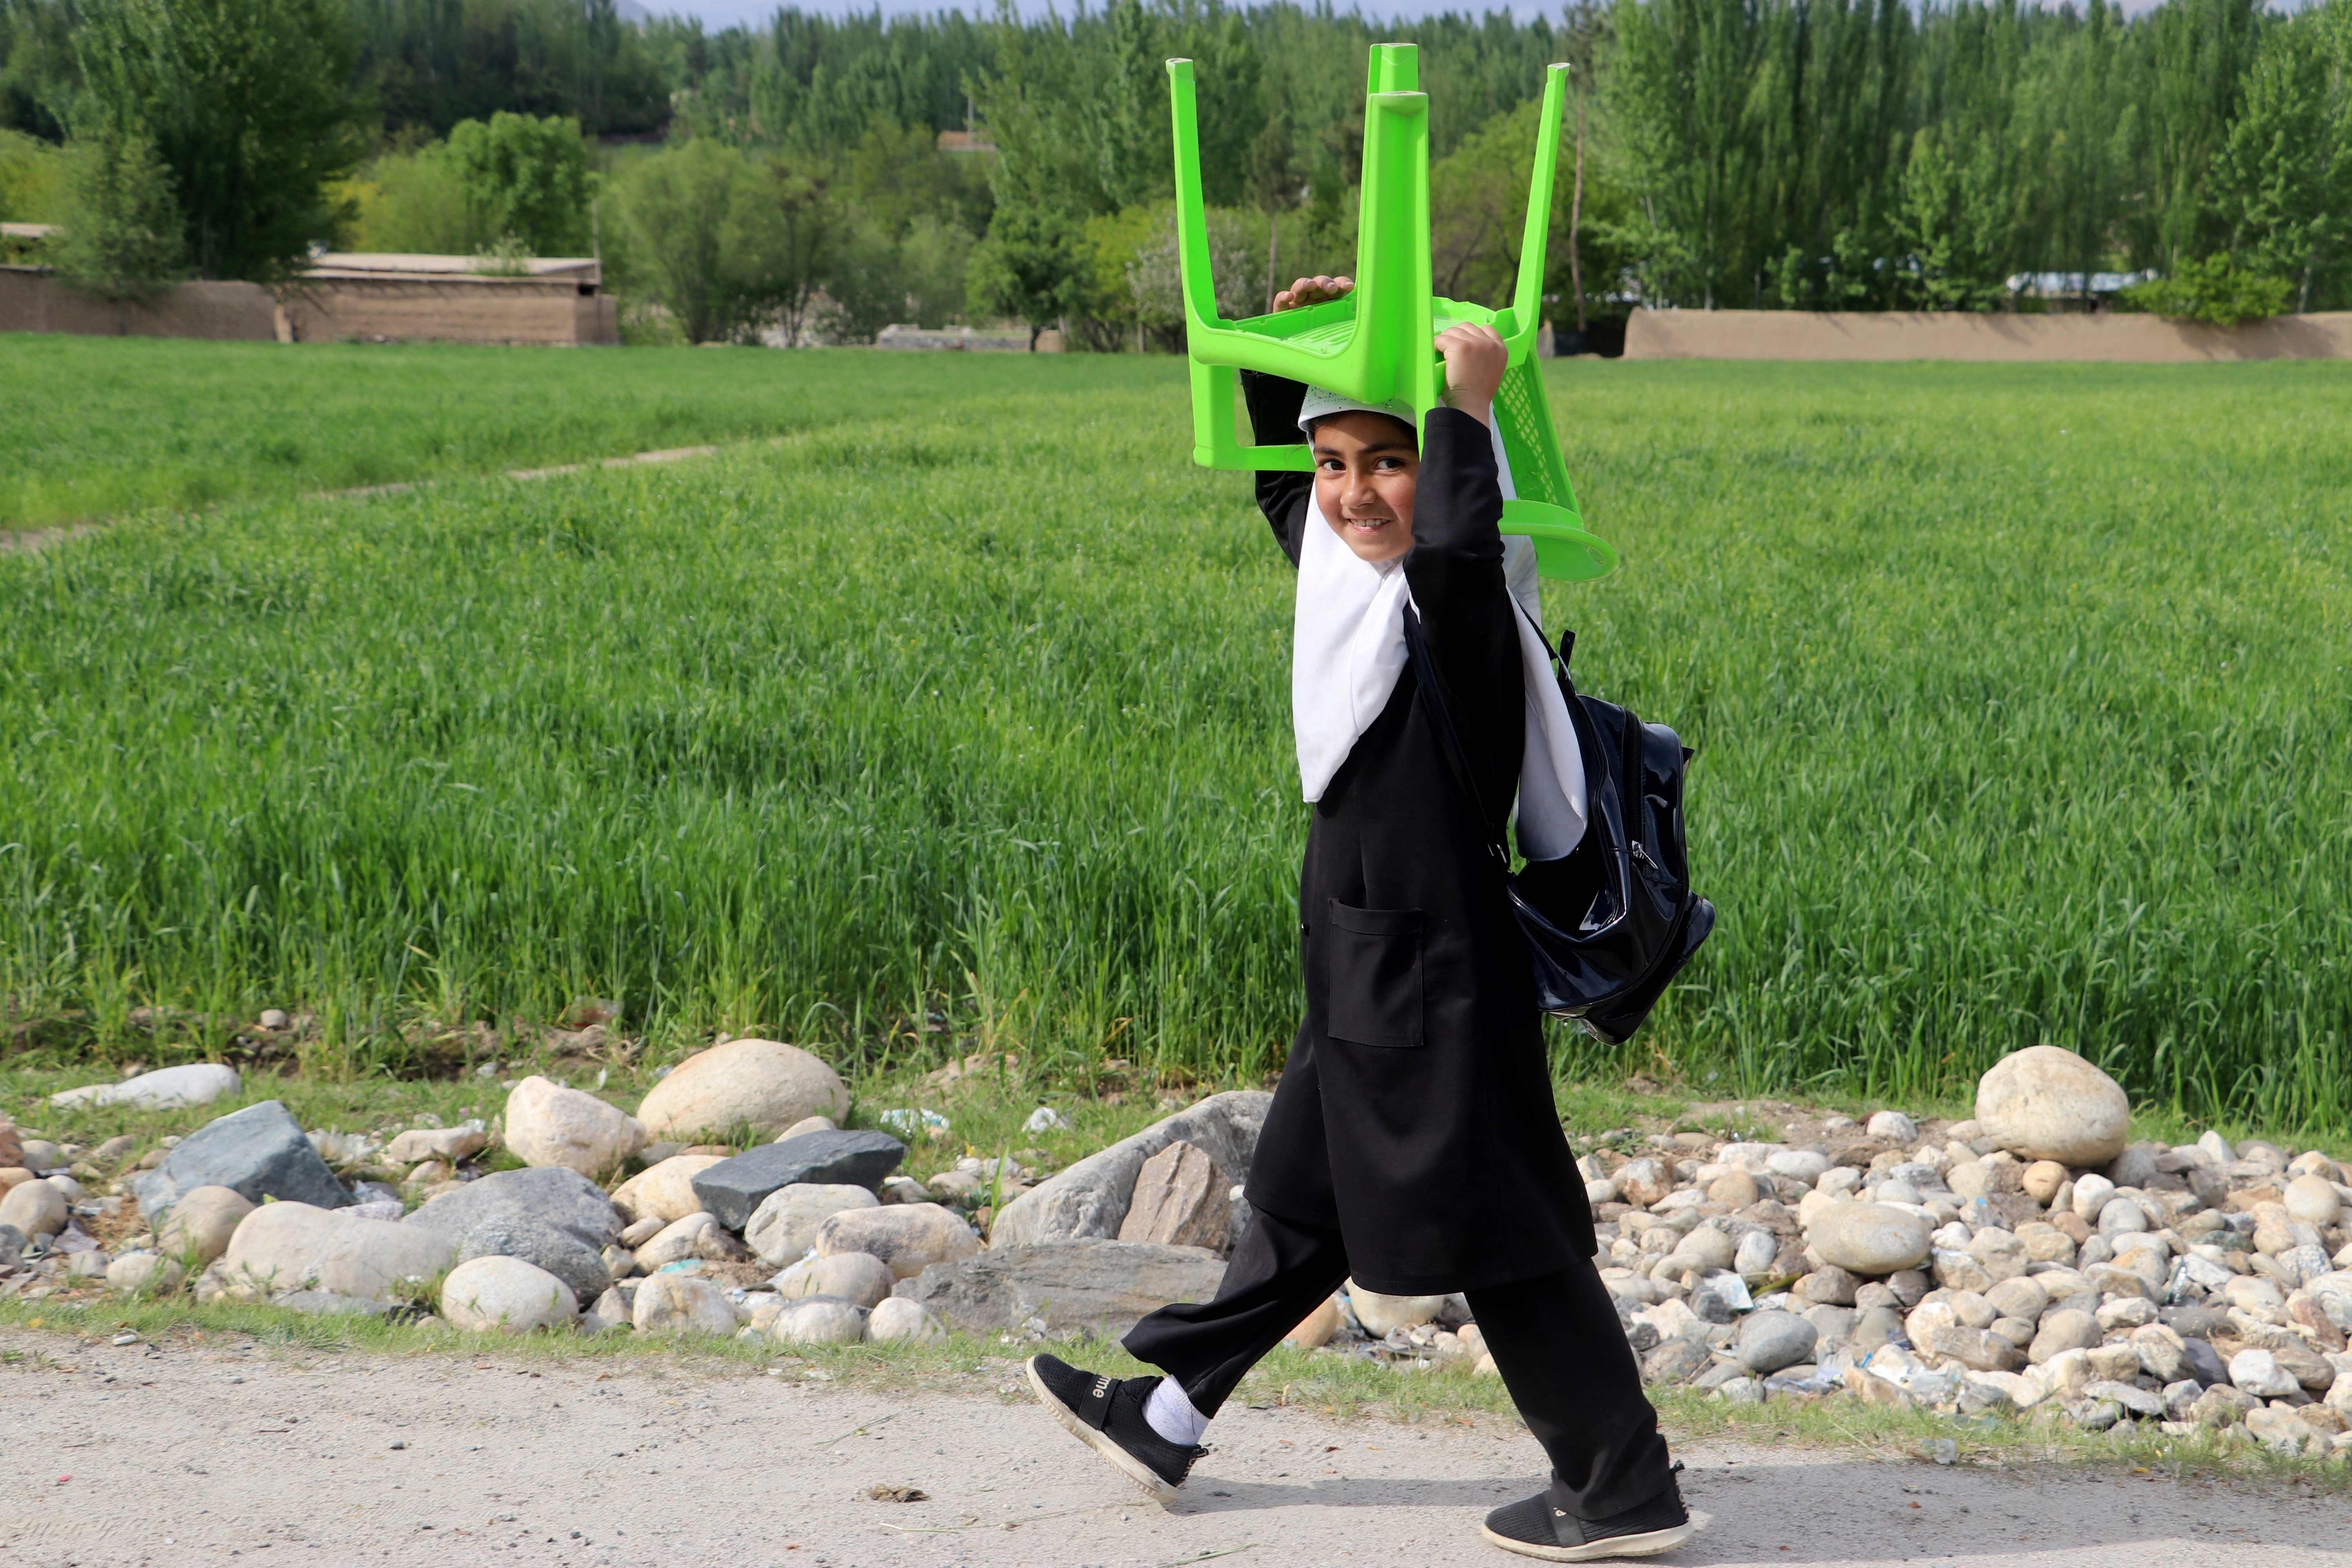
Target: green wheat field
949	704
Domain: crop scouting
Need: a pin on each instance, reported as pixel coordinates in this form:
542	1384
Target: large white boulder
760	1083
549	1125
506	1295
666	1191
2044	1104
282	1247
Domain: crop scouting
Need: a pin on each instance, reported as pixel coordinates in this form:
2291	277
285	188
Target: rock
904	1189
1383	1316
1644	1182
1805	1166
909	1237
1828	1285
552	1196
1104	1286
2065	1329
496	1294
681	1303
2280	1431
2001	1254
39	1154
1869	1238
2119	1216
259	1152
1893	1126
199	1223
758	1083
448	1144
1735	1190
902	1318
35	1208
1679	1360
2136	1167
1317	1327
2162	1354
734	1189
784	1227
165	1089
819	1319
519	1235
2018	1298
2041	1181
2258	1372
549	1125
282	1247
2132	1400
808	1124
150	1272
2092	1192
2045	1103
2312	1370
858	1278
1770	1340
666	1191
1876	1326
1181	1199
1090	1199
2313	1200
2222	1405
1754	1256
1979	1349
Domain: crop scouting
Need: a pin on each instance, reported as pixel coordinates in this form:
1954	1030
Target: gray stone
1106	1286
515	1234
734	1189
1089	1200
2134	1400
1770	1340
1877	1326
549	1195
1678	1360
259	1152
1181	1199
165	1089
899	1318
783	1227
1869	1238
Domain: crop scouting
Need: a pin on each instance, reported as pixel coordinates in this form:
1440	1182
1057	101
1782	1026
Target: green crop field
960	714
97	426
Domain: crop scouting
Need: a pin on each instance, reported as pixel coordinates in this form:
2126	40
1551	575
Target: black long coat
1415	1114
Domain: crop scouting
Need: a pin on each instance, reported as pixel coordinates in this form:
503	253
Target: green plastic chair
1377	344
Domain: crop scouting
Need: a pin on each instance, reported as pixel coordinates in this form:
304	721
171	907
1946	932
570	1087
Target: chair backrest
1376	345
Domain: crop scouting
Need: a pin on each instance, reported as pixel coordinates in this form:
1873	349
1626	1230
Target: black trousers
1556	1340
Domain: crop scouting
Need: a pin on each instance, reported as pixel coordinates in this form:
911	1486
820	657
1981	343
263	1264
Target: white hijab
1348	650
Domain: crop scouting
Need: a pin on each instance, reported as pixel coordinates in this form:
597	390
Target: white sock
1173	1415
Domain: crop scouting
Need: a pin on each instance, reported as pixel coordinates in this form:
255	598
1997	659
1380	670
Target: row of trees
1800	153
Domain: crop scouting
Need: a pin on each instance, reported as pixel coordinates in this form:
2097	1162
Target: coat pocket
1373	960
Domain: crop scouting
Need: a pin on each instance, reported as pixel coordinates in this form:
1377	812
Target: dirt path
203	1454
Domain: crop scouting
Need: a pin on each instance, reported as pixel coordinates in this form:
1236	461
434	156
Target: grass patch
2020	693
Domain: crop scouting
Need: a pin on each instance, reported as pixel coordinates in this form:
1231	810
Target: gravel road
137	1455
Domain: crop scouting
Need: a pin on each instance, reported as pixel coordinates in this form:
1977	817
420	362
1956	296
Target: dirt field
145	1454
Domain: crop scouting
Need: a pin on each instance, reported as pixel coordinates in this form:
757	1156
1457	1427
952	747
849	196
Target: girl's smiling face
1365	466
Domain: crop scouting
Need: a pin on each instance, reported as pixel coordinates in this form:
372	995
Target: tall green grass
2020	697
94	426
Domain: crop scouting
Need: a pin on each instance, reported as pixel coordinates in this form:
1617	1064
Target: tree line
792	178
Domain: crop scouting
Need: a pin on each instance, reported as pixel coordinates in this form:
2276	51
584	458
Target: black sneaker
1107	1415
1539	1527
